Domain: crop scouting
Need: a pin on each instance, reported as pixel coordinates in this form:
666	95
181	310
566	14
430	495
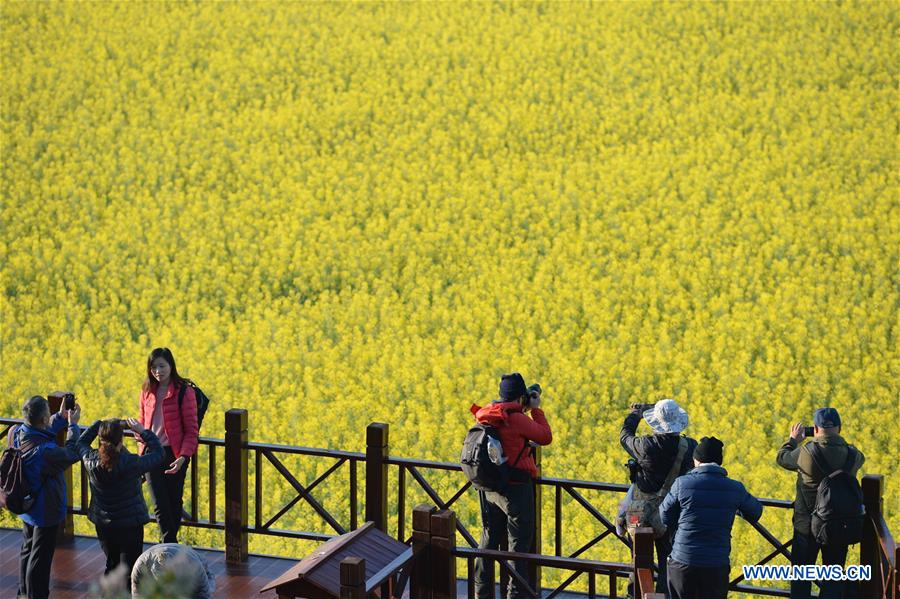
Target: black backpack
486	474
838	516
202	400
15	492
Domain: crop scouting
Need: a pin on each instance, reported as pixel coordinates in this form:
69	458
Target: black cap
512	386
709	450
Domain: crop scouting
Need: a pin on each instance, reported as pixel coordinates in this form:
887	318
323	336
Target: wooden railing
878	548
433	557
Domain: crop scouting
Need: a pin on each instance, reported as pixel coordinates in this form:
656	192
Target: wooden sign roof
322	568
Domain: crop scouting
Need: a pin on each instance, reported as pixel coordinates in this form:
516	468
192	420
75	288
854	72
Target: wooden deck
79	564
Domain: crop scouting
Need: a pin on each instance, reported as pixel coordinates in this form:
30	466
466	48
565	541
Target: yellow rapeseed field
338	213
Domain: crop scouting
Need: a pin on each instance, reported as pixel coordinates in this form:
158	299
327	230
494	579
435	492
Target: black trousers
508	517
696	582
38	546
804	551
121	545
167	491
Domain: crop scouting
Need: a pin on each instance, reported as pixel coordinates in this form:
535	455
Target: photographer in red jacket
511	512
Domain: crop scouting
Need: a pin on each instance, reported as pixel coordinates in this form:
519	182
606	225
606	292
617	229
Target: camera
808	431
633	469
642	407
69	401
534	391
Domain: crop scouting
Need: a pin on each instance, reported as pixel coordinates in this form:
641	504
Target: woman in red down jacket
177	429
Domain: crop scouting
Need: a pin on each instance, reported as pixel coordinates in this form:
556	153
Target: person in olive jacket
798	457
117	508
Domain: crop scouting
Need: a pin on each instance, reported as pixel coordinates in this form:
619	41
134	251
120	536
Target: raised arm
790	451
535	429
57	459
58	421
154	454
87	437
628	435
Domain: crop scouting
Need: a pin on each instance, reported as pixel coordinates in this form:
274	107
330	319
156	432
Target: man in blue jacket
702	505
44	463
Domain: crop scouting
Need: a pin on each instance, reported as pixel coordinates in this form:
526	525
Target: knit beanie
709	450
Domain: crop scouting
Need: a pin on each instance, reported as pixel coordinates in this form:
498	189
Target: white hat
666	417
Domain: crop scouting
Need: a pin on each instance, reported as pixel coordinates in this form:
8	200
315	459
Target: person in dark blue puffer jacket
701	506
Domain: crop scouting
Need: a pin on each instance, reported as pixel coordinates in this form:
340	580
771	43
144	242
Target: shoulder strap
181	393
819	460
25	447
676	466
851	460
518	457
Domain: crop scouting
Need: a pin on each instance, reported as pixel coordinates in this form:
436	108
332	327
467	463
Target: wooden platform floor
78	564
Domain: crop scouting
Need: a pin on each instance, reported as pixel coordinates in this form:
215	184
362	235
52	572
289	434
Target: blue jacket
44	467
702	504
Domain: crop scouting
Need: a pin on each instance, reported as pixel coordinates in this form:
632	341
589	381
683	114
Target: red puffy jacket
515	429
181	426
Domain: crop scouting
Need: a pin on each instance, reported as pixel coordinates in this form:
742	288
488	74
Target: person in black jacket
117	508
655	456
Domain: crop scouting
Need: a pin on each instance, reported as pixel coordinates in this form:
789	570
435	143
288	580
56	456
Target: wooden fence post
67	528
443	562
420	577
869	551
534	578
236	495
643	558
377	474
353	578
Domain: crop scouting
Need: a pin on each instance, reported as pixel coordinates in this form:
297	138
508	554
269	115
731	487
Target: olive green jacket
796	457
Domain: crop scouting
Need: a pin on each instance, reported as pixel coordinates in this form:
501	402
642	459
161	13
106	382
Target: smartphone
69	401
808	431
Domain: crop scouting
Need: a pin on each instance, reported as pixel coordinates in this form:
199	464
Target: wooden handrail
644	581
377	579
549	561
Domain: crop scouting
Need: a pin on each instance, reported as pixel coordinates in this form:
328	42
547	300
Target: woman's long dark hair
110	436
165	353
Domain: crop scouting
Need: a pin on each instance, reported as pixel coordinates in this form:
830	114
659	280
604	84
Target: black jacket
116	496
655	454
